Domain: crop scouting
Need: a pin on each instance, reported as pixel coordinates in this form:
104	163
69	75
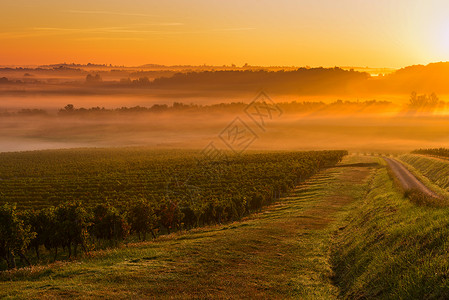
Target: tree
109	224
15	236
170	215
43	224
93	79
433	99
69	108
72	222
142	218
423	102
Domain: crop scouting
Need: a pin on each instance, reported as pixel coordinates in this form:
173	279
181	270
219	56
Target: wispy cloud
57	29
235	29
124	29
134	30
98	38
106	12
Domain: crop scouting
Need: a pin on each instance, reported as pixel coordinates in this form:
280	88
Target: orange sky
372	33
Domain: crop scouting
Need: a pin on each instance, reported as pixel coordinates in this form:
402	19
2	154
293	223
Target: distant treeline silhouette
433	77
338	106
423	79
417	104
303	80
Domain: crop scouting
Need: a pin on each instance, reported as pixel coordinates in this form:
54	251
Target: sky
374	33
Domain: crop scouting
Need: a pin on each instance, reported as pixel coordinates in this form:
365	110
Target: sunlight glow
285	32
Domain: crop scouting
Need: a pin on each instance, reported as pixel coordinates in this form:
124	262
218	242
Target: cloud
123	29
133	29
234	29
56	29
106	12
109	38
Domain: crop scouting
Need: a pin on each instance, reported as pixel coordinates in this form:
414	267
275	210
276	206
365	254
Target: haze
287	32
164	74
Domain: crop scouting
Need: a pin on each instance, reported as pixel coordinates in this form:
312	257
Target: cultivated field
70	199
348	231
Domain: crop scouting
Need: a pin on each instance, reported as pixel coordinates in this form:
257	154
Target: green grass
283	252
392	248
433	172
348	232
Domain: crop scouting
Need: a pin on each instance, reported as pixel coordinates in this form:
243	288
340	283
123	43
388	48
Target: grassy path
280	253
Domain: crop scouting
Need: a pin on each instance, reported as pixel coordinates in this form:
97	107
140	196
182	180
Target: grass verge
392	248
431	171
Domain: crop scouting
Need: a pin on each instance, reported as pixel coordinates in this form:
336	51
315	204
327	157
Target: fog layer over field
190	107
364	127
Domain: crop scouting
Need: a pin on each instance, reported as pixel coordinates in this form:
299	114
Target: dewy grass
391	247
420	198
433	172
345	233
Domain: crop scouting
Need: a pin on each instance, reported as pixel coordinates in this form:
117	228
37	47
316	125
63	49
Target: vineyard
434	169
443	152
65	196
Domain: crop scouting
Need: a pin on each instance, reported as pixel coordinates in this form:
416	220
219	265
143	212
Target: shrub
109	224
142	218
72	222
15	236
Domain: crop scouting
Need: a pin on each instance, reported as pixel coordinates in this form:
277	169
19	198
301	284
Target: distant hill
433	77
423	79
302	80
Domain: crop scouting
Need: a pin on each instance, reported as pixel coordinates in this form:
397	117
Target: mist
385	128
321	108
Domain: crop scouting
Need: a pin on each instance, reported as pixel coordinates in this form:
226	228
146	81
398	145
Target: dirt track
407	179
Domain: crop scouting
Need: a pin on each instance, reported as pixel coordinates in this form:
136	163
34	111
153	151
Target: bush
72	222
109	224
15	236
170	215
420	198
142	218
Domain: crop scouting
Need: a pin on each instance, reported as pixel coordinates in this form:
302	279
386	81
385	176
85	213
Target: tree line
287	107
443	152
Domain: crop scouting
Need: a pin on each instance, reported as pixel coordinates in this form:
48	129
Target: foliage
43	223
109	223
72	222
443	152
170	215
142	218
420	198
60	192
14	235
435	170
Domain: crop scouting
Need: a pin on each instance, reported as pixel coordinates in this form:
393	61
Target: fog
391	131
325	109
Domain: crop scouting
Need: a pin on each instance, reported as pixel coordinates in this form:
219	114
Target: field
282	252
224	149
84	197
42	178
347	232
